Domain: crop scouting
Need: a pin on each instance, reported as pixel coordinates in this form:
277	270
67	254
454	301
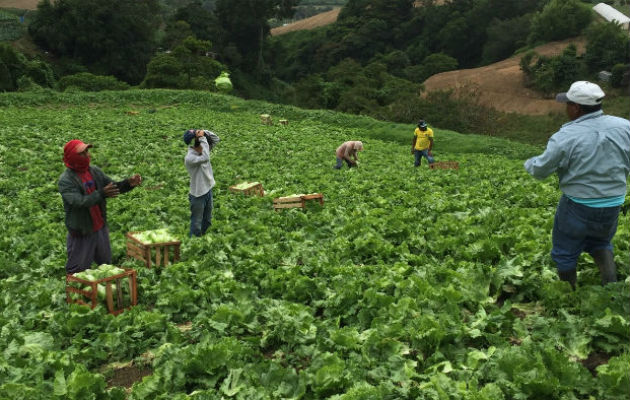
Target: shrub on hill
608	44
186	67
550	74
620	74
14	65
559	19
88	82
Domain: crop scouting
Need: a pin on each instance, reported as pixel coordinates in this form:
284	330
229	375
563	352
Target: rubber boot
569	276
606	263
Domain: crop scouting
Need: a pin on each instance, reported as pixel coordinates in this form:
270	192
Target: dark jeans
85	250
578	228
418	154
340	163
200	213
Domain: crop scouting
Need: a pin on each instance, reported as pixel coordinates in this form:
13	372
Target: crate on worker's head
248	188
117	292
444	165
158	254
265	119
297	201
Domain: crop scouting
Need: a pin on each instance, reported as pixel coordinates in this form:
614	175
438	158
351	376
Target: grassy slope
366	127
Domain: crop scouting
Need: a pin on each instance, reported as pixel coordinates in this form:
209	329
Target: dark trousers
418	154
200	213
83	250
340	163
578	228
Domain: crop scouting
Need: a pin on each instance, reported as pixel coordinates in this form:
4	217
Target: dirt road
23	4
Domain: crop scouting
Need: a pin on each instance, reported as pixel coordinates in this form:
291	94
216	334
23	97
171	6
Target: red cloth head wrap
73	159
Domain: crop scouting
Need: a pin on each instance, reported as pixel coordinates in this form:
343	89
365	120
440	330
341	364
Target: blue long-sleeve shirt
590	154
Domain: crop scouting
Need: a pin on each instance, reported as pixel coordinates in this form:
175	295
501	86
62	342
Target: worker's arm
548	162
213	139
413	144
430	144
194	159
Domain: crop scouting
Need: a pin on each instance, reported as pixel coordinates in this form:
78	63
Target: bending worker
348	152
591	155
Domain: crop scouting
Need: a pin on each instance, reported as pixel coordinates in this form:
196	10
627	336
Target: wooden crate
255	189
284	122
157	254
444	165
89	291
265	119
297	201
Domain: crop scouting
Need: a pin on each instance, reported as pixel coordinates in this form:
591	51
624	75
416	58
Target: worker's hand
411	151
429	153
199	133
111	190
135	180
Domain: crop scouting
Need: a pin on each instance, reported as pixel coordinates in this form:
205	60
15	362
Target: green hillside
406	284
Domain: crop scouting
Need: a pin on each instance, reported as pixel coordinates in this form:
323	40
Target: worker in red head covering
84	189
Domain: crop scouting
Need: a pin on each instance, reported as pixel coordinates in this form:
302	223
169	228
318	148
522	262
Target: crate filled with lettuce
248	188
112	286
155	247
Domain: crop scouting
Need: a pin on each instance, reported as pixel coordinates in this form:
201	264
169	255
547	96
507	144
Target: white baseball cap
582	92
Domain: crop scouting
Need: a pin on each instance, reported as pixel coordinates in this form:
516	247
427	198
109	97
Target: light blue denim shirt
591	155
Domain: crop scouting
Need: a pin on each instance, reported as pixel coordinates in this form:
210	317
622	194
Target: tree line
373	60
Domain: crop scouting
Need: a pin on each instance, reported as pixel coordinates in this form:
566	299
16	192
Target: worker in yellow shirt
422	143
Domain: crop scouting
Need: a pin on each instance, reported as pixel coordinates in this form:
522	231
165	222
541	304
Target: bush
549	74
164	71
91	83
26	84
607	45
559	19
186	67
436	63
462	112
14	65
618	72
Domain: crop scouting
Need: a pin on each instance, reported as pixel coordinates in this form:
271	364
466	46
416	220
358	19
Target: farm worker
197	163
84	190
422	143
348	152
591	155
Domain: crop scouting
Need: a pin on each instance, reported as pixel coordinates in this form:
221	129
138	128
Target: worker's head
583	97
422	125
358	146
76	156
191	137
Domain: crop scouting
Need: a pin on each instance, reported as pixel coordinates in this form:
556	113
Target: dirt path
315	21
318	20
23	4
500	85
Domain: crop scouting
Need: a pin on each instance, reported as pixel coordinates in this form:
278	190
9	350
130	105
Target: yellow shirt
422	138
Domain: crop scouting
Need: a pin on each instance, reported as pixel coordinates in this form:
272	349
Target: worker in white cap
591	155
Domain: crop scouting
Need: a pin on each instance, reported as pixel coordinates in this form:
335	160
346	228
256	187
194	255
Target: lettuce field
406	284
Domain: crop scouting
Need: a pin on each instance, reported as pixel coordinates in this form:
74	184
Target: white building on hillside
610	14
